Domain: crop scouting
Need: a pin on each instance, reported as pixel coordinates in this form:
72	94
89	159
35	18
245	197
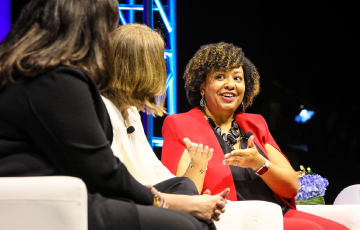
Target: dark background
307	53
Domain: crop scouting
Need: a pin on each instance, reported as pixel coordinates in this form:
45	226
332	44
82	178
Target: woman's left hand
245	158
199	154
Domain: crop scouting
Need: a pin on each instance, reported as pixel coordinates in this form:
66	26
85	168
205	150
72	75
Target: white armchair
346	208
242	215
264	215
349	195
60	203
251	215
43	203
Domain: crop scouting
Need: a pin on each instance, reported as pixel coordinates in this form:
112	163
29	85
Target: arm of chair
43	203
349	195
347	215
242	215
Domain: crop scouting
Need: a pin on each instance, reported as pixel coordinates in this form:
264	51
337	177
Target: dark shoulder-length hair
60	32
220	57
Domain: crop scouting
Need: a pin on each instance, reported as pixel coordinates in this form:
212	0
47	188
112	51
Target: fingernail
224	162
232	153
226	156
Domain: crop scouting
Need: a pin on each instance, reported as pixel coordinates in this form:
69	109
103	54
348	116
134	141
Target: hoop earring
202	102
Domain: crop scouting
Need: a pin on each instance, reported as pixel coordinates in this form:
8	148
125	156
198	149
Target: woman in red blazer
246	158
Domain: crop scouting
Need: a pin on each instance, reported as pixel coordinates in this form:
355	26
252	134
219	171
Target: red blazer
194	126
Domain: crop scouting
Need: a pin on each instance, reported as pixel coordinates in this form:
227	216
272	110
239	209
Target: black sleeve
64	122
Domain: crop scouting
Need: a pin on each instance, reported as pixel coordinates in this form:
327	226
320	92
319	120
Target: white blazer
134	149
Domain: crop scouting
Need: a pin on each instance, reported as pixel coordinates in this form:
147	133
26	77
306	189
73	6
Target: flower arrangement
312	187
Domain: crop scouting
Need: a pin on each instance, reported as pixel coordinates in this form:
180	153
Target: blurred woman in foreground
53	63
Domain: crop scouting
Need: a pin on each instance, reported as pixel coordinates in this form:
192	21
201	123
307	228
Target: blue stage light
5	18
163	16
168	15
304	116
157	141
168	81
121	17
136	7
168	53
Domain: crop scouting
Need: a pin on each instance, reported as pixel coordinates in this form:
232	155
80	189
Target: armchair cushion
349	195
251	215
43	203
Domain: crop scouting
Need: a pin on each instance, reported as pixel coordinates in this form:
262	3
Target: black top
56	124
248	185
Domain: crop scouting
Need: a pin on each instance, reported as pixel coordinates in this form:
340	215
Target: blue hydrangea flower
310	186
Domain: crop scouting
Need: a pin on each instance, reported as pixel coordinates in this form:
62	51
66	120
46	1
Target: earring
243	108
202	102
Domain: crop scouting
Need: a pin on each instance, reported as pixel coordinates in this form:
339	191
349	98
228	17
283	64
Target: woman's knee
300	224
178	185
305	218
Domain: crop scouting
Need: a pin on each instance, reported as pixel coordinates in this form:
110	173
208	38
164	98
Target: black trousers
112	214
184	186
177	185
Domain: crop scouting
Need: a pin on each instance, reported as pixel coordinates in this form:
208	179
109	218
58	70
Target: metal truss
168	15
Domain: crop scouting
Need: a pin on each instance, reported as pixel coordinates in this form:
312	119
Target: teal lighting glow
168	15
121	17
169	80
171	45
163	16
304	116
157	141
135	7
130	14
149	129
168	53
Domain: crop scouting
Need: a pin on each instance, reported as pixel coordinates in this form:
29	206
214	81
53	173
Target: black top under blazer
57	124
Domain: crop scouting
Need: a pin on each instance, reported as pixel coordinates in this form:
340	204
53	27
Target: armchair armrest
251	215
43	203
349	195
347	215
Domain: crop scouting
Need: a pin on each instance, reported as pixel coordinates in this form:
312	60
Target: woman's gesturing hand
198	153
159	199
245	158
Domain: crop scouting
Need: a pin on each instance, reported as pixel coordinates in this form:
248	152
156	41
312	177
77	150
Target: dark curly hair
219	57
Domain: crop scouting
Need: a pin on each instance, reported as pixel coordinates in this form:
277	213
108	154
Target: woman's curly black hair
219	57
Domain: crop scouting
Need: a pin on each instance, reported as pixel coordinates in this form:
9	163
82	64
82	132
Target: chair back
349	195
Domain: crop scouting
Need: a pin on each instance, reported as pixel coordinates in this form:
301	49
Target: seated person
140	84
220	82
53	122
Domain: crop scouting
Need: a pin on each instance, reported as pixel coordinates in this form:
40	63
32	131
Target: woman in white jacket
140	85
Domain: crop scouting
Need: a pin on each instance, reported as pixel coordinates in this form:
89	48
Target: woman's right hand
159	199
210	207
198	153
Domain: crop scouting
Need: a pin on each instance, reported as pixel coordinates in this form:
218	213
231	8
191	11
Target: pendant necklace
230	138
